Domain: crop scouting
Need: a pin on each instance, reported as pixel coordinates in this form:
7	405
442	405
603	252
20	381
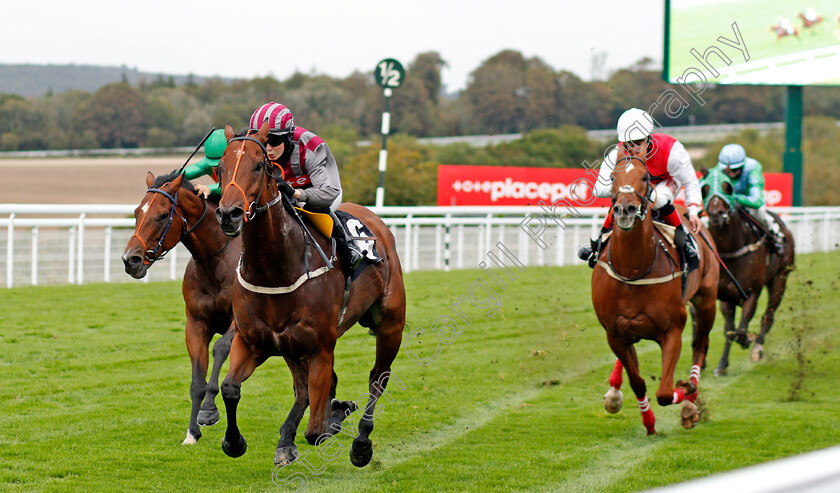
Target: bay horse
288	304
755	266
637	294
807	23
170	213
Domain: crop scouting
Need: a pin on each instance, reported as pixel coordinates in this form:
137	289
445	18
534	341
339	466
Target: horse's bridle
646	201
266	166
151	255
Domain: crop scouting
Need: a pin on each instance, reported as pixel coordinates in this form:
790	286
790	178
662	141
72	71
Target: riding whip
731	276
197	148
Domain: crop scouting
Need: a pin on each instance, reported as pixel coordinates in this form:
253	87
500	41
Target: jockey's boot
590	252
776	238
346	246
688	249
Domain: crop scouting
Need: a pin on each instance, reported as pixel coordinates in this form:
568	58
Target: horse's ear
703	172
263	133
229	133
150	179
176	183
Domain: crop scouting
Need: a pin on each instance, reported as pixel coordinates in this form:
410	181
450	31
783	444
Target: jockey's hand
694	223
286	189
202	191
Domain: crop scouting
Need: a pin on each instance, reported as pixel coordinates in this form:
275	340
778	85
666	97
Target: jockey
748	188
810	15
669	166
309	168
214	147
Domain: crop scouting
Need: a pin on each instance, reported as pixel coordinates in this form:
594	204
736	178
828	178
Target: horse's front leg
243	362
775	290
747	312
198	338
286	452
728	311
668	393
209	414
320	381
626	354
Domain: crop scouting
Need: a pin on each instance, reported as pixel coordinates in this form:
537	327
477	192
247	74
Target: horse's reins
253	207
151	255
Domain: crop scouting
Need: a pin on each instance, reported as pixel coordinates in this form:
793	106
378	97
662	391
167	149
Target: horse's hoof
191	439
757	353
234	451
208	418
284	456
613	400
720	372
689	415
361	452
652	432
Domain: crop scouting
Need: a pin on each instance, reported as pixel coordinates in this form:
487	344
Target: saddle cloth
357	230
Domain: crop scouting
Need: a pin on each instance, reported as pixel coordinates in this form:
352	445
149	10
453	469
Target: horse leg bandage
616	377
695	379
679	396
648	418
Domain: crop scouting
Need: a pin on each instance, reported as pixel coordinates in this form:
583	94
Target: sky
254	38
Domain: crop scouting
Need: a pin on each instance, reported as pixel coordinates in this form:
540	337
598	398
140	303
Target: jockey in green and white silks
748	187
214	148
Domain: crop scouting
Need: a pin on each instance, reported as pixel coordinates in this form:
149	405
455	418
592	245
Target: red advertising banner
495	185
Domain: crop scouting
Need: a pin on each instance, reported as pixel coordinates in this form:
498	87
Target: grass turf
96	378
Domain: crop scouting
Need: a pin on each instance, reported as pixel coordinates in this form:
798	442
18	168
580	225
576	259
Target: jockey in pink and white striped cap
279	117
309	167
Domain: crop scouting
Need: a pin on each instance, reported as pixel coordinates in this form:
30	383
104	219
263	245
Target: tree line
507	93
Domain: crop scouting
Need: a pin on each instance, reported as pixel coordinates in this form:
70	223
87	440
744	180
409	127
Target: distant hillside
37	80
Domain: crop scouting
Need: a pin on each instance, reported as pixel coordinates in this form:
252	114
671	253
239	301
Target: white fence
59	244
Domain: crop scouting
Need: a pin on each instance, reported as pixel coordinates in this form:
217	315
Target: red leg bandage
648	418
615	376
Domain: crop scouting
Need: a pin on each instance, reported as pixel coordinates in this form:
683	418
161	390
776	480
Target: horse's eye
162	217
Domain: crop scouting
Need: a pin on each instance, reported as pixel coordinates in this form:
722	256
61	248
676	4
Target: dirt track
81	180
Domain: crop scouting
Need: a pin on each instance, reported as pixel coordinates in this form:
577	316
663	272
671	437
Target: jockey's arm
603	186
323	173
754	198
196	170
679	167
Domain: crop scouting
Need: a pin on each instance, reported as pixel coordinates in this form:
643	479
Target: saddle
362	238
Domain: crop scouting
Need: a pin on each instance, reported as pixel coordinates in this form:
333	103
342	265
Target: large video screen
783	42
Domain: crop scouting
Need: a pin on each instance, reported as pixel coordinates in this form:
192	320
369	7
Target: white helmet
634	124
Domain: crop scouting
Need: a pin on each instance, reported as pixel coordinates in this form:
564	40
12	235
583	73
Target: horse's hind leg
340	409
286	452
775	289
704	319
209	413
747	312
198	338
728	311
626	354
388	340
242	364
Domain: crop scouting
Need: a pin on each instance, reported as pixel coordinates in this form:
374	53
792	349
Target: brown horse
287	311
637	294
782	32
169	213
753	264
806	23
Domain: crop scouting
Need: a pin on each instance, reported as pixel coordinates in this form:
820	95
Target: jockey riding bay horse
637	293
290	303
171	212
742	246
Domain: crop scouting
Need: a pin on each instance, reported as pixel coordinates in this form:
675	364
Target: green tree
117	115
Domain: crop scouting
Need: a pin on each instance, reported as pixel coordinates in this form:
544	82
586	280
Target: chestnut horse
637	294
169	213
753	264
288	302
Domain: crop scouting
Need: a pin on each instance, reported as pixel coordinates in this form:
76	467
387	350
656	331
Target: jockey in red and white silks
670	168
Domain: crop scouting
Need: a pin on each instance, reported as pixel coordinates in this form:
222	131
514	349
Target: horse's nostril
617	210
631	209
135	260
237	213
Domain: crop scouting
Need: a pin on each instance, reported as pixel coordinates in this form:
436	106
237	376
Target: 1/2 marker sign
389	73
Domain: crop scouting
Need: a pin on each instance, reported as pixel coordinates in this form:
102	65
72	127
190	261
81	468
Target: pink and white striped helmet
279	118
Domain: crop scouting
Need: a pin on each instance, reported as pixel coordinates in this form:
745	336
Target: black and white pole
383	153
389	75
